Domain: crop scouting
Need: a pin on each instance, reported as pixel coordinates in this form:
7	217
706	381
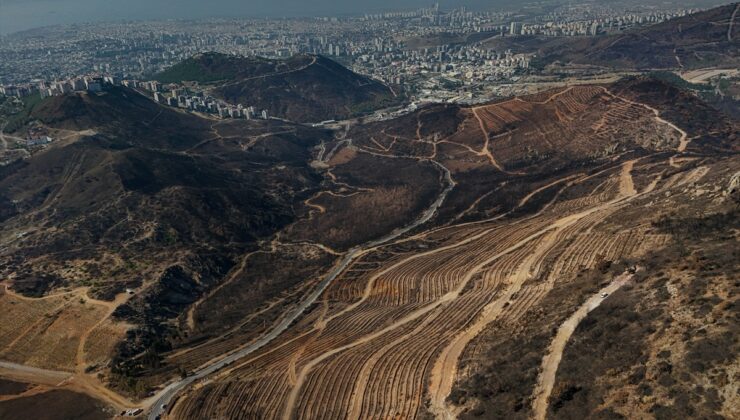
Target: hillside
132	192
554	197
303	88
276	270
701	40
137	196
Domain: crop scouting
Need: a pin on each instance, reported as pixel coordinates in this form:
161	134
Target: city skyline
24	15
21	15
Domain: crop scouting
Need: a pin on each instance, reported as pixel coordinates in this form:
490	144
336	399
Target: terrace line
166	395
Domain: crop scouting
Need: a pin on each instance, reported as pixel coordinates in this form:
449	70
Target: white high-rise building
594	28
515	28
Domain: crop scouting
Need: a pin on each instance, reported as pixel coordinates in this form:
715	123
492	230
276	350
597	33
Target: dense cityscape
413	54
436	55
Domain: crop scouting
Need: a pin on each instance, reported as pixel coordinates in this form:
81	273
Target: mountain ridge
700	40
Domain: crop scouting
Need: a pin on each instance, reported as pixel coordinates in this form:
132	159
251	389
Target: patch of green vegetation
9	106
676	80
22	116
538	63
368	107
190	70
450	84
204	68
169	236
723	84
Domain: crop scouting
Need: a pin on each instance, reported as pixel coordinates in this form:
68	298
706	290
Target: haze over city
18	15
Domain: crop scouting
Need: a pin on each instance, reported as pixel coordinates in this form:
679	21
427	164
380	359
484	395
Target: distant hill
303	88
704	39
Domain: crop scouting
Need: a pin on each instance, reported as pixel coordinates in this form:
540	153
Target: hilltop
302	88
214	67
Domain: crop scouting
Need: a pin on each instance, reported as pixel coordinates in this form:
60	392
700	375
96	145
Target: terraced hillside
144	231
437	264
554	201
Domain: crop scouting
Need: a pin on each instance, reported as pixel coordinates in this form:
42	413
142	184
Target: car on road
604	294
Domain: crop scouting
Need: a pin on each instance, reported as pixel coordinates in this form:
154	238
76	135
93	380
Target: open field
51	332
53	404
700	76
60	340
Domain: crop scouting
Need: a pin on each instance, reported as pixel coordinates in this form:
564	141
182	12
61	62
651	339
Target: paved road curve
167	394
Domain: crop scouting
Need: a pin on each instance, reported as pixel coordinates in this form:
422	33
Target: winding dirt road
683	140
732	23
485	151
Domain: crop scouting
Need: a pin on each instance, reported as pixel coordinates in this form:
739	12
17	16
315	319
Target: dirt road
163	398
485	151
33	375
280	73
683	140
551	361
444	371
732	23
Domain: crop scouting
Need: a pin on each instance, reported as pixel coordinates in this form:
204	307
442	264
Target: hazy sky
17	15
